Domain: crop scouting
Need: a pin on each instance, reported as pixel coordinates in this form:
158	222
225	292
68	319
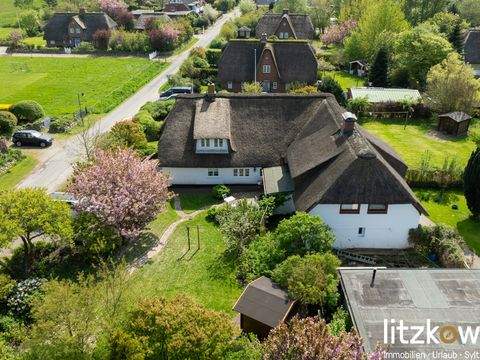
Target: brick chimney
210	95
349	121
263	38
81	12
285	11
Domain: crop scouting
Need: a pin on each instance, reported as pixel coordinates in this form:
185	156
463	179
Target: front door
266	86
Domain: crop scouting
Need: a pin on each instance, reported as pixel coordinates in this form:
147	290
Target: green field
204	274
55	82
459	219
345	80
14	175
8	12
418	136
5	32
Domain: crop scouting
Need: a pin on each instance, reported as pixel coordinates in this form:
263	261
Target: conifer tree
471	183
379	71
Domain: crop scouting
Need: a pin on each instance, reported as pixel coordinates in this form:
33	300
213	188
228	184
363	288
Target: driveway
55	163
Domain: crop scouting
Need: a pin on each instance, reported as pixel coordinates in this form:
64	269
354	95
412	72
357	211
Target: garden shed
455	123
358	68
263	305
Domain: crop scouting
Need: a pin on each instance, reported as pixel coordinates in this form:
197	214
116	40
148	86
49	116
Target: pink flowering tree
335	34
111	6
15	38
121	189
164	39
309	339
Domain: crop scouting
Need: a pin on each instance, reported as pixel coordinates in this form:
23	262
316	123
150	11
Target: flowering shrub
111	6
164	39
121	189
101	39
15	38
18	302
129	41
335	34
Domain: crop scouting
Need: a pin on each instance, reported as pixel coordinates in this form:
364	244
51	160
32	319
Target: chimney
285	11
349	121
210	96
263	38
81	11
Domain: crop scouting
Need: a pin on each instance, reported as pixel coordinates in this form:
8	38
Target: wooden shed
454	123
263	305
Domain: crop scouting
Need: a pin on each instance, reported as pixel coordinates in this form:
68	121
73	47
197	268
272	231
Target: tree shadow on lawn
138	248
470	230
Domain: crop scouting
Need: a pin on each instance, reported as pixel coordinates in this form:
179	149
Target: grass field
412	142
459	219
55	82
8	12
345	80
13	176
204	274
5	31
192	202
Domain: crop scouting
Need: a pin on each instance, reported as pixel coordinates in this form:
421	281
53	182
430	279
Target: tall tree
418	11
294	6
470	10
471	181
27	214
121	189
379	72
320	12
380	21
451	86
456	38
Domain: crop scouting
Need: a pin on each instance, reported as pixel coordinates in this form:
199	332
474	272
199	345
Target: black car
174	91
31	138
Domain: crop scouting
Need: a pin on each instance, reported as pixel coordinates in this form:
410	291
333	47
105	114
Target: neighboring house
263	306
183	6
286	26
439	307
145	18
274	64
265	2
306	146
358	68
472	50
384	95
455	123
70	29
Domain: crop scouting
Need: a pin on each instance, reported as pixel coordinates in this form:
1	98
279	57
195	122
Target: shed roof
445	296
264	301
457	116
277	179
381	95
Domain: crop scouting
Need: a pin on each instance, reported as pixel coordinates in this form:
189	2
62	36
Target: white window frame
286	35
213	172
229	85
205	142
266	69
235	172
243	172
77	30
361	232
72	30
274	85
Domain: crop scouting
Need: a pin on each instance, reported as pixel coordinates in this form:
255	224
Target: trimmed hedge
150	127
213	56
27	111
8	121
61	124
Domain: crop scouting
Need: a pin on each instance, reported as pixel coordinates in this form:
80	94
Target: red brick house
274	64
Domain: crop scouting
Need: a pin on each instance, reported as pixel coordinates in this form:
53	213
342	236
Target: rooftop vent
349	121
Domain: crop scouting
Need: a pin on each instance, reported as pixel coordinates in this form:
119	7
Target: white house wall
199	176
382	231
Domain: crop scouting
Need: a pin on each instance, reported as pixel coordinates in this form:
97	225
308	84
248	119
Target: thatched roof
264	301
295	60
300	23
57	27
212	119
472	47
144	18
303	132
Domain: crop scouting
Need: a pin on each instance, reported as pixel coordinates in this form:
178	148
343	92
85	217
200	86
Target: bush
27	111
130	42
9	156
159	109
7	284
125	134
84	46
164	39
221	191
228	31
330	85
8	121
304	234
441	240
36	125
340	323
358	106
101	39
213	57
218	43
61	124
260	258
150	127
247	6
19	300
224	5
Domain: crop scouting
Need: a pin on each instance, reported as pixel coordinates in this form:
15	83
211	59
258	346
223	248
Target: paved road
55	163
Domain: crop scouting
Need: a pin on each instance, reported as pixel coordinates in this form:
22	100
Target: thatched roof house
333	164
69	29
142	21
286	26
275	64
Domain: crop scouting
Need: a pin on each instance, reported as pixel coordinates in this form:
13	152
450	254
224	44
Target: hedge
8	121
61	124
213	56
27	111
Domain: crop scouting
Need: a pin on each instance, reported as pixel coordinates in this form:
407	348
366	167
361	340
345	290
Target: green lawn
345	80
460	219
196	201
204	274
12	177
412	142
168	216
8	12
5	31
55	82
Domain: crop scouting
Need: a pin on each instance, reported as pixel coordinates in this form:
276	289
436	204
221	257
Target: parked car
174	91
31	138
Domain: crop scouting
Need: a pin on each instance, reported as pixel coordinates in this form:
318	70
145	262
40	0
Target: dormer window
266	69
213	146
205	142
